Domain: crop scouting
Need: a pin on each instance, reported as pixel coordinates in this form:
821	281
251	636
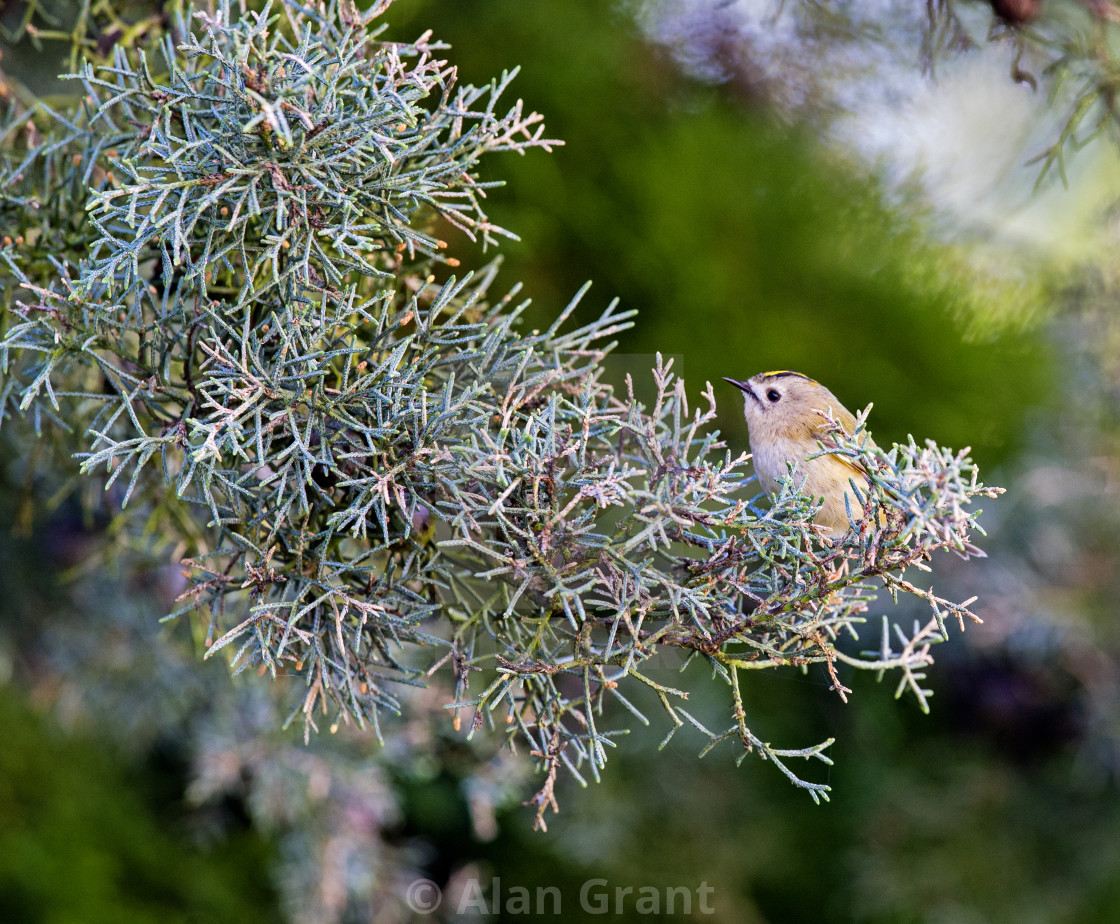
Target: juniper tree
230	298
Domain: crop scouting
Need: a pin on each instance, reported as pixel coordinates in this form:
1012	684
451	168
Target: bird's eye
773	394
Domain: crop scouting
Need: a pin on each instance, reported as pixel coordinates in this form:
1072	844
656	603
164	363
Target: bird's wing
856	468
843	417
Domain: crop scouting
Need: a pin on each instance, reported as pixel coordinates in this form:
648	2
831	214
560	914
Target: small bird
785	427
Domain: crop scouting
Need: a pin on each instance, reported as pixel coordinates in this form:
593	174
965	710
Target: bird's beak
742	386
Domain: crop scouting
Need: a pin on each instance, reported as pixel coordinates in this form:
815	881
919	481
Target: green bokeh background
746	246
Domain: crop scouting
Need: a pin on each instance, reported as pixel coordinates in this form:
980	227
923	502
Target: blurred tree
82	840
95	829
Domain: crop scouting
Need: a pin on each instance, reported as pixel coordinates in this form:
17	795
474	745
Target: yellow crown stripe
778	372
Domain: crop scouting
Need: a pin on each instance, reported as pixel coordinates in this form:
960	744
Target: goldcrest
782	410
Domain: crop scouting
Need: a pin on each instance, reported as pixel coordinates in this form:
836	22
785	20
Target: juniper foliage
374	478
